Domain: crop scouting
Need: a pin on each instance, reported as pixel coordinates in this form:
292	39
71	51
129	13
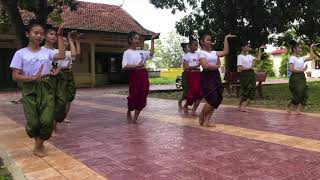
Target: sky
154	19
150	17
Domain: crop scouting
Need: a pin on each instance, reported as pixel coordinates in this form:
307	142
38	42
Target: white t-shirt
29	62
211	57
245	60
298	62
66	63
191	58
134	57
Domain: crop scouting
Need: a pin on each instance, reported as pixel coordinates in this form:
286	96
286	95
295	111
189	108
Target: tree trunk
15	19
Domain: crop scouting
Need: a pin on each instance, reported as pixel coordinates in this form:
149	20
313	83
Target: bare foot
40	152
299	112
209	124
288	109
201	119
243	109
193	113
67	121
138	122
54	134
129	117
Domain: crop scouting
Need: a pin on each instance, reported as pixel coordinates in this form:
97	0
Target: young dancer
186	49
297	80
32	66
62	83
134	61
245	63
210	77
192	67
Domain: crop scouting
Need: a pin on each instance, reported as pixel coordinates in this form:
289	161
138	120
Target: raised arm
312	54
71	37
258	58
226	46
62	52
78	47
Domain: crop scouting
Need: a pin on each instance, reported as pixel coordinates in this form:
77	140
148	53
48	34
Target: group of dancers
201	77
48	85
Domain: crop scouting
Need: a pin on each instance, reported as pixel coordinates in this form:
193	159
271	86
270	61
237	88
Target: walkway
99	144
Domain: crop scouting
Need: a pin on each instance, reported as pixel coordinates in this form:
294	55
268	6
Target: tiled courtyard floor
99	144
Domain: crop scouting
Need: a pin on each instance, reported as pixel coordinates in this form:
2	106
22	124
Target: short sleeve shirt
29	62
211	57
134	57
245	60
191	58
298	62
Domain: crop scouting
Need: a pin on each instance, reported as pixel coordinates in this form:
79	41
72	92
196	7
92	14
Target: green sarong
60	97
298	88
247	84
184	84
38	105
71	86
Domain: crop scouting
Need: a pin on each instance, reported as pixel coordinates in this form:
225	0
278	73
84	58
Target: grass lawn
162	80
275	97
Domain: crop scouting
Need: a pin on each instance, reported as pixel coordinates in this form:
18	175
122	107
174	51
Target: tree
168	51
252	20
41	9
265	65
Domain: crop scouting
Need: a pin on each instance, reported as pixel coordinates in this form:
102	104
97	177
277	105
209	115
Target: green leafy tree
265	65
252	20
283	70
42	9
168	51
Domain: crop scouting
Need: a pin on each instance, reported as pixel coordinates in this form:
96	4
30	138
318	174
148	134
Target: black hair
33	23
49	28
192	40
293	45
183	45
131	35
202	35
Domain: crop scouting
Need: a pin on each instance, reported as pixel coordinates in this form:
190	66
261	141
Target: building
105	28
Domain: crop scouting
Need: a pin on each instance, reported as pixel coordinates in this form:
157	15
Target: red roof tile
279	51
98	17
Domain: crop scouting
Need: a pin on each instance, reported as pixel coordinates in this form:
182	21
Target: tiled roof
98	17
279	51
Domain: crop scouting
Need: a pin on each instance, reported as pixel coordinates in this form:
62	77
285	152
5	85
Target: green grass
277	78
275	97
162	80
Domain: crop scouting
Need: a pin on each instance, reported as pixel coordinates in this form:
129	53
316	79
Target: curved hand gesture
60	30
38	75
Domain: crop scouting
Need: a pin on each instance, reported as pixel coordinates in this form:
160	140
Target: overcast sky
157	20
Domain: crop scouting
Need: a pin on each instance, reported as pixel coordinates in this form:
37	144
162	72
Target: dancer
186	49
60	111
245	63
73	44
31	65
134	61
192	67
210	77
297	80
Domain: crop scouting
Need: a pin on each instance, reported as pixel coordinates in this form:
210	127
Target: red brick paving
103	140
